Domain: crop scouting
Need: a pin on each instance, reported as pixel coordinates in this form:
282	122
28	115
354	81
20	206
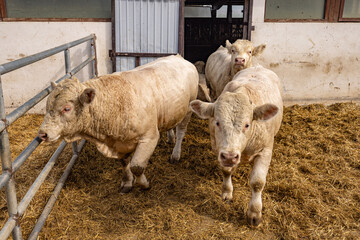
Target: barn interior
208	24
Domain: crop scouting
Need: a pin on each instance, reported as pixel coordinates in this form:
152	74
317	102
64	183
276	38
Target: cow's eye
233	50
66	109
250	52
247	126
217	123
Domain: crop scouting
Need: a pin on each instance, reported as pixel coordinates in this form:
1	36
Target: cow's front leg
128	178
257	183
180	134
140	159
227	187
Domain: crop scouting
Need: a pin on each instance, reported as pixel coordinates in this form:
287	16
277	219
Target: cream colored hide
243	122
225	62
204	91
123	113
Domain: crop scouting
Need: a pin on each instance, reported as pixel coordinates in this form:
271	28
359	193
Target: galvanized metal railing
15	209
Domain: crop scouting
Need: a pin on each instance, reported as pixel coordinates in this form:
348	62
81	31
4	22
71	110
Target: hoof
125	189
145	188
174	160
254	221
227	197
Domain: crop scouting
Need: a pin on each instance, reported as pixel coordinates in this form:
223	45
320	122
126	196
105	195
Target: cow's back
165	86
263	86
217	69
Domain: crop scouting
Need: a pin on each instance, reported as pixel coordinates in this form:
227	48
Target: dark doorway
208	24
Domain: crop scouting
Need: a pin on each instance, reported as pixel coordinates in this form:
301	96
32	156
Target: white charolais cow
243	122
124	113
225	62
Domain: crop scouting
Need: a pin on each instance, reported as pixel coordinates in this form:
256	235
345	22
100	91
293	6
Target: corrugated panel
145	26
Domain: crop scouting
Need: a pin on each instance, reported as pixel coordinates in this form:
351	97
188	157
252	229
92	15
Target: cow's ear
75	79
258	50
203	109
53	85
228	45
265	112
87	96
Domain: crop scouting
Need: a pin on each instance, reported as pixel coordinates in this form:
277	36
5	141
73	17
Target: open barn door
143	30
209	23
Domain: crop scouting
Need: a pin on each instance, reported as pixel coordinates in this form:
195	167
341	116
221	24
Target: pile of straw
312	189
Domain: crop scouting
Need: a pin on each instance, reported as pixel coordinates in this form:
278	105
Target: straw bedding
312	189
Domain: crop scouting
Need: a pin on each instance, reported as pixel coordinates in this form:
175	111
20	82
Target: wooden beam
2	10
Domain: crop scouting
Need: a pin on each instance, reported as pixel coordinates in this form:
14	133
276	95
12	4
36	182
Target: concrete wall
21	39
317	62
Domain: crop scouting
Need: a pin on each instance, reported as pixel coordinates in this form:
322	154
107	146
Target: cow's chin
228	165
239	65
53	139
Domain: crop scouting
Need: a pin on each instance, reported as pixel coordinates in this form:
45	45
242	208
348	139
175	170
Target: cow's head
231	118
64	107
242	52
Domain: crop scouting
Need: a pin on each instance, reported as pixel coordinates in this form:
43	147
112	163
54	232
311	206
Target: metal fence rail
15	209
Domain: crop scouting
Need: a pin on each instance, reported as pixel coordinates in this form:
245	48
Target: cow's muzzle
229	159
43	135
240	61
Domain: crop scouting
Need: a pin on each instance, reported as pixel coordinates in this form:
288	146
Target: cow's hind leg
140	159
171	136
128	177
180	134
257	183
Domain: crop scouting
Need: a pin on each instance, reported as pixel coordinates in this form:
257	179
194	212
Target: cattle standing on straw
124	113
225	62
243	122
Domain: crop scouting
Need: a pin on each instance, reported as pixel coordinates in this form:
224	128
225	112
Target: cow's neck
109	114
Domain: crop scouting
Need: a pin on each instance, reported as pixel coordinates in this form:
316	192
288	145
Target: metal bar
113	58
25	154
50	204
250	27
4	178
181	27
82	65
11	66
10	224
19	161
128	54
14	115
6	230
137	61
67	61
93	53
7	166
40	179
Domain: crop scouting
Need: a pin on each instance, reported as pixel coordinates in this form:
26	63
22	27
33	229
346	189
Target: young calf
243	122
225	62
123	113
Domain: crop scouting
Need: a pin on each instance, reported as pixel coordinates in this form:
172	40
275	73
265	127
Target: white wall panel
145	26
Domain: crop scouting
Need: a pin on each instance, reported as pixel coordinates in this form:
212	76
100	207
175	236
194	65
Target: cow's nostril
222	156
43	136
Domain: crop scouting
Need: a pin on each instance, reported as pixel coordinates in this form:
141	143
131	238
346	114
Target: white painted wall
21	39
317	62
